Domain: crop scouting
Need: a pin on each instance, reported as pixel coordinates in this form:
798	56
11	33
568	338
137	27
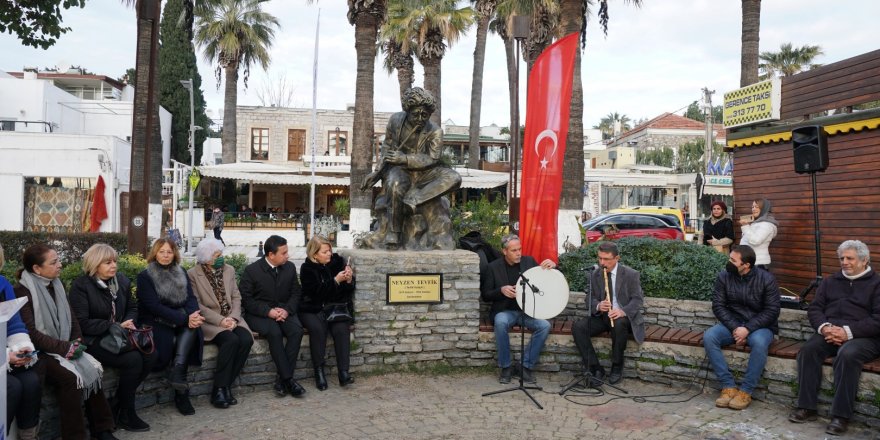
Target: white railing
326	161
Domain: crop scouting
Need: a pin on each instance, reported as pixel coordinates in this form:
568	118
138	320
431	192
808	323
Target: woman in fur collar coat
167	303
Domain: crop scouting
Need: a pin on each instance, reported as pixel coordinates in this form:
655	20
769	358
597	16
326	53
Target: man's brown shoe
801	415
740	401
837	426
727	394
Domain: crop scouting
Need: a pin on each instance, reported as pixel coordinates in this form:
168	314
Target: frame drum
552	297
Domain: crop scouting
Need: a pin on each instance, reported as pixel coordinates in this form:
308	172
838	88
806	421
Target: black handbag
116	340
142	339
337	312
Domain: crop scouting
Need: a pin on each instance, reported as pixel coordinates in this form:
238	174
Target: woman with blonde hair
23	390
167	303
214	285
74	374
101	299
327	286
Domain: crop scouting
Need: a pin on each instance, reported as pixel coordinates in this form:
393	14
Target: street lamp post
188	85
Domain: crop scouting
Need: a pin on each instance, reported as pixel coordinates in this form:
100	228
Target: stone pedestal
416	333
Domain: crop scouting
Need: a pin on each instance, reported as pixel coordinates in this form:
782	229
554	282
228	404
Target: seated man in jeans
746	302
498	287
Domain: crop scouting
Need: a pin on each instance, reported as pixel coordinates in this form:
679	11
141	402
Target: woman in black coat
167	303
101	299
718	228
326	280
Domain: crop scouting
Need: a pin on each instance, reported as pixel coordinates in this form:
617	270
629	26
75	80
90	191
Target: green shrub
669	268
239	262
70	246
483	216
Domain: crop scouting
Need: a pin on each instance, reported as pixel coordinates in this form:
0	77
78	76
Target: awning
272	174
717	190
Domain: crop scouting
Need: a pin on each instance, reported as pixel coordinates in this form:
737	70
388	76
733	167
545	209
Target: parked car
618	225
667	211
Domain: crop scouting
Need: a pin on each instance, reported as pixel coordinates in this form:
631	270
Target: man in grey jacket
618	310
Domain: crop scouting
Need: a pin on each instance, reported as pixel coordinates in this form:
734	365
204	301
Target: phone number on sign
749	110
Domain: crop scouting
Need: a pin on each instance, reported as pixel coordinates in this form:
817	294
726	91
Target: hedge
669	268
70	246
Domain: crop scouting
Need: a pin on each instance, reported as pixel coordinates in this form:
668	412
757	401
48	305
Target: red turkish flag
549	99
99	207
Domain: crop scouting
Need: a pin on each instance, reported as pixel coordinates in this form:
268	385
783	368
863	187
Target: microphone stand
523	281
587	377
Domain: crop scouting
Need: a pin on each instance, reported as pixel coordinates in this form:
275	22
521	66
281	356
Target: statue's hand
395	157
369	181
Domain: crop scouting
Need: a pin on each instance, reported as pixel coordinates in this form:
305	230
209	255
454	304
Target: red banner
549	99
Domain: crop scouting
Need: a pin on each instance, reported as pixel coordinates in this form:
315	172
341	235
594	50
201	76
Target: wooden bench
781	347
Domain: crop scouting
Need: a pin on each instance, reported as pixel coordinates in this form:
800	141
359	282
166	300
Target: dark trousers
847	369
70	402
599	324
233	348
217	236
23	396
133	367
284	355
318	329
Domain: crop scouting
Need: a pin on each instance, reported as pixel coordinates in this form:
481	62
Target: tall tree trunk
146	145
751	29
510	53
230	102
366	28
573	170
404	64
431	66
477	91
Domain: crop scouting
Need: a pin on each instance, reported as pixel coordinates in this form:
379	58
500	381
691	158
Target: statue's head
419	104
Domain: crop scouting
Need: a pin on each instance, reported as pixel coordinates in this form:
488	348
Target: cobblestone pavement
409	406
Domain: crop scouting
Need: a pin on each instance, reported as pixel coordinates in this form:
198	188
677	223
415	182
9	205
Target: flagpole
314	127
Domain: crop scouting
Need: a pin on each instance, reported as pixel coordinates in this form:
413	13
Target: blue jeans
758	340
540	330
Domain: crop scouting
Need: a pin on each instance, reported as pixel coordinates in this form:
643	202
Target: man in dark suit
498	287
846	316
623	307
270	296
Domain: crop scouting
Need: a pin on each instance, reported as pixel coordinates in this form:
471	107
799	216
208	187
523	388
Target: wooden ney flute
607	292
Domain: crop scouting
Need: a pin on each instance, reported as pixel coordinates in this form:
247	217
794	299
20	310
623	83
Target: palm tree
483	10
608	123
236	34
751	27
789	60
427	27
367	17
574	15
402	62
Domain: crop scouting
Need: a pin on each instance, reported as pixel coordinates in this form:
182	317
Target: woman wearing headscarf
167	303
101	298
64	363
214	285
326	280
759	230
718	228
23	390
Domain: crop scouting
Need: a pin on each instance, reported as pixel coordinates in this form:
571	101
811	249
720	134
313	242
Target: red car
615	226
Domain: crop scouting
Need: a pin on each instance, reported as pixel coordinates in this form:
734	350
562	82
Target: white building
58	133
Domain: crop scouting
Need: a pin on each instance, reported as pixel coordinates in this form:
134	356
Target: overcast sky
655	58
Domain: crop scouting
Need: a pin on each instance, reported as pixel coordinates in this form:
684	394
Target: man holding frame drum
616	308
498	287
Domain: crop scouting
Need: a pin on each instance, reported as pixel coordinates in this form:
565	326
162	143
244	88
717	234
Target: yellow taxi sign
753	104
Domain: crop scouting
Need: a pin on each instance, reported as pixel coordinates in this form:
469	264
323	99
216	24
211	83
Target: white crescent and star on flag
545	158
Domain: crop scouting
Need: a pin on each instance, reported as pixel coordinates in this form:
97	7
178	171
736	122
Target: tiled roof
672	121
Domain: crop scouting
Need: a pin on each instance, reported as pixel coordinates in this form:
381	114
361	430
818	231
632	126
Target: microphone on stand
590	268
534	288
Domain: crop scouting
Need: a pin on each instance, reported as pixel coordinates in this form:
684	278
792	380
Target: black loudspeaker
810	145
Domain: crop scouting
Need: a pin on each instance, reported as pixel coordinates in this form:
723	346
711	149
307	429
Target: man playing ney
624	308
846	316
746	303
498	287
